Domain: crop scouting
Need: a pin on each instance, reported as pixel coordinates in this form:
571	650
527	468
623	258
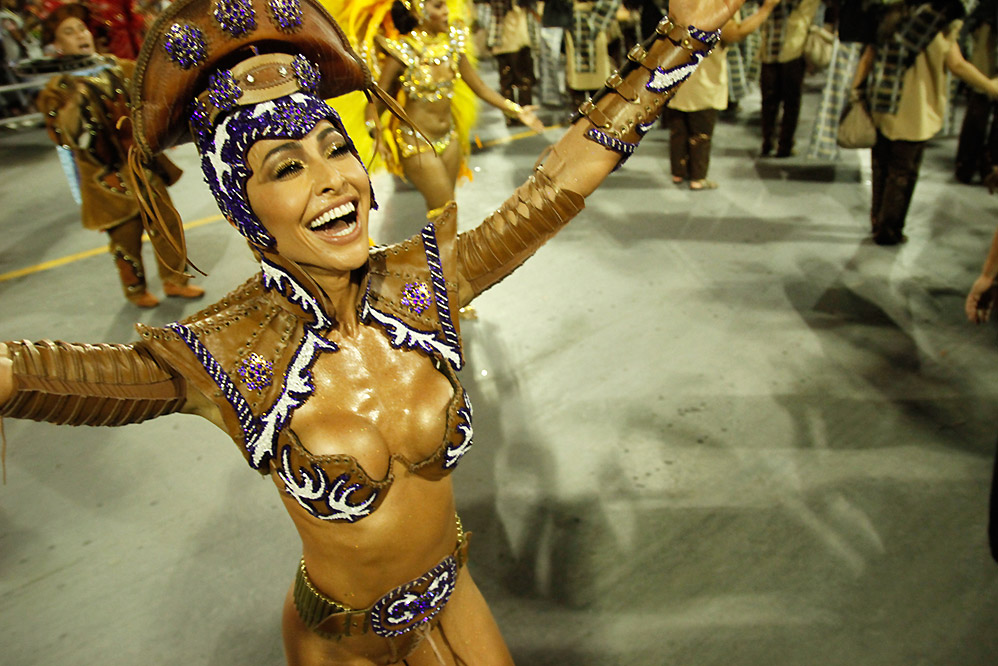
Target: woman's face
313	196
435	15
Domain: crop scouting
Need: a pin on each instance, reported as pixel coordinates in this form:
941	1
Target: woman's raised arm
611	127
606	132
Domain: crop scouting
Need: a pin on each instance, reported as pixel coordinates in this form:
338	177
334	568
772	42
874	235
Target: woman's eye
285	169
336	150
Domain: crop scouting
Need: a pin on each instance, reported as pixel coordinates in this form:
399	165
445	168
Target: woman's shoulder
459	34
219	314
415	283
399	48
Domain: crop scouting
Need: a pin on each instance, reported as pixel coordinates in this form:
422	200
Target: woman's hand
6	375
528	118
980	300
703	14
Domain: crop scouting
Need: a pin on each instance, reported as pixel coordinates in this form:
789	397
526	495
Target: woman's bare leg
434	176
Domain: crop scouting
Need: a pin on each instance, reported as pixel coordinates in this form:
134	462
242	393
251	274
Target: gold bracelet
511	108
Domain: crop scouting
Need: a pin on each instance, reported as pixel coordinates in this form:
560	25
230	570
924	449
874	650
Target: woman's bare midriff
432	117
374	402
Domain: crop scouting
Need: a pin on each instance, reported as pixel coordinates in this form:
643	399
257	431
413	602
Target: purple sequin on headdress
223	152
223	90
201	125
235	17
287	14
185	44
306	73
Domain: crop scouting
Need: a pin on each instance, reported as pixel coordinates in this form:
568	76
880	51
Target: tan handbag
818	48
856	129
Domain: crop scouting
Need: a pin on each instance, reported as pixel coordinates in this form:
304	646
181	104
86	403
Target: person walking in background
513	22
977	148
89	115
556	17
587	47
424	64
781	79
903	76
692	113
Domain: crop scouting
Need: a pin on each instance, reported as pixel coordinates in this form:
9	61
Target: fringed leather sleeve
535	212
97	385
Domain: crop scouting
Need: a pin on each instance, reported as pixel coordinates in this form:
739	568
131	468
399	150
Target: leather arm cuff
508	237
74	384
623	111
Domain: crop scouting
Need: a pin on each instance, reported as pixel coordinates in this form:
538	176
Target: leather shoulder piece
534	213
415	282
234	352
96	385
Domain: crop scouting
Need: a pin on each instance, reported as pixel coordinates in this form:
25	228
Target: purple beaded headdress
224	149
228	73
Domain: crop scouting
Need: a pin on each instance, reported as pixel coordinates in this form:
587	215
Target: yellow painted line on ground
512	137
86	254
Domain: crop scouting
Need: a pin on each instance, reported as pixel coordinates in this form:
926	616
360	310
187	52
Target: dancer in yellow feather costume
421	57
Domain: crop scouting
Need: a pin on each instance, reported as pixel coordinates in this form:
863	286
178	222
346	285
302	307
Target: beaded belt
401	610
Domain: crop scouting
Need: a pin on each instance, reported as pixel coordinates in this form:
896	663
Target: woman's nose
328	177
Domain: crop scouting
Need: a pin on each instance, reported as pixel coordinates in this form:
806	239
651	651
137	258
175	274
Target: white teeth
335	213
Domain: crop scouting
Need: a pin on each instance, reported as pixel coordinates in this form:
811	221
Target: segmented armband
509	236
97	385
625	109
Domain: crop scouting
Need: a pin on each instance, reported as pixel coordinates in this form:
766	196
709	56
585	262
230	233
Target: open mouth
336	223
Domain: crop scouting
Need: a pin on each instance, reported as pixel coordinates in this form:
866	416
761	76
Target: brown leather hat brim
162	89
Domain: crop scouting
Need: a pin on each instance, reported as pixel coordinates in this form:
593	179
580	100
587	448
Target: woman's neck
432	32
342	291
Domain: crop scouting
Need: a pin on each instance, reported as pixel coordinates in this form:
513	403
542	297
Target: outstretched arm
978	309
387	81
606	132
969	74
524	113
75	384
863	67
735	31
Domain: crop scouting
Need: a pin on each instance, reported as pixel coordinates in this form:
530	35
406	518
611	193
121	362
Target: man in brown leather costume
334	368
88	113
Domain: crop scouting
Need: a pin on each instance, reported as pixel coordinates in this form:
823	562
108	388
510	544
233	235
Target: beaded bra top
431	62
408	295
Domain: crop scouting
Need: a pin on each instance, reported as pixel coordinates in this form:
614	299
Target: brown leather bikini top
256	349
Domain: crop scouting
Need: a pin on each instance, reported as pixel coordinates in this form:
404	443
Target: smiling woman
334	369
313	196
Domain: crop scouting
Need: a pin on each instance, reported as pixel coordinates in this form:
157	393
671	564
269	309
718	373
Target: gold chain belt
410	143
401	610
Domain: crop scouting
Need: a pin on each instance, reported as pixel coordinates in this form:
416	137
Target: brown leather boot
182	290
143	299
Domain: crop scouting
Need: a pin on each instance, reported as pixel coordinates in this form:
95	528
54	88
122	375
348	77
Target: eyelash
336	150
285	169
